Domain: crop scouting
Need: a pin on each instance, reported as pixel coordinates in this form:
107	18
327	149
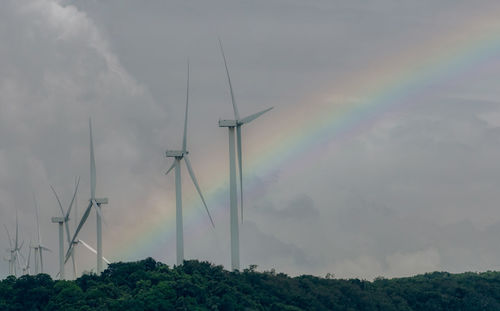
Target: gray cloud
301	207
413	192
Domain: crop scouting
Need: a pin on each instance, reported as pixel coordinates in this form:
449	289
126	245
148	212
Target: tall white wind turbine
96	204
39	247
178	155
233	125
65	217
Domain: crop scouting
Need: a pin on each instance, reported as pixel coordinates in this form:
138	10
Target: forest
195	285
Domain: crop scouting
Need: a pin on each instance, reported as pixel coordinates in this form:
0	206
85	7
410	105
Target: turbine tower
65	216
233	125
178	155
96	204
39	247
60	222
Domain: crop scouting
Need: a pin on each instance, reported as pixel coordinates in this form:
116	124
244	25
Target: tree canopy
151	285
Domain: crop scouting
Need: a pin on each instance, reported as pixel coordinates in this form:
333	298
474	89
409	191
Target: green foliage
150	285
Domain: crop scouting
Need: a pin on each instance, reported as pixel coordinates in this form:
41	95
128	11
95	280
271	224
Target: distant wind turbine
12	252
178	155
96	204
237	123
39	247
15	263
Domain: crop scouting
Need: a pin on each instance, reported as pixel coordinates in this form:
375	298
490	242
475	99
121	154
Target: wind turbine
16	250
65	216
93	202
39	247
231	125
9	261
178	155
12	251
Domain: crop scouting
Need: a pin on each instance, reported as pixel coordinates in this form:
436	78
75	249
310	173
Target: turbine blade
69	253
92	164
18	259
22	256
8	236
240	165
68	237
66	218
17	230
236	114
37	223
77	179
58	201
74	265
254	116
46	249
63	215
184	140
88	246
171	168
94	251
72	199
195	182
29	257
80	225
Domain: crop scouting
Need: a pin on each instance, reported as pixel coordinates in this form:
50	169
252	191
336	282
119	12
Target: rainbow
360	101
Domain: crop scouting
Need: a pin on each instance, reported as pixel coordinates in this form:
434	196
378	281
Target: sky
380	157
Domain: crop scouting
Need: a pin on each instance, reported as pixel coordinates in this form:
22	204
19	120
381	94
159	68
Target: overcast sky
408	186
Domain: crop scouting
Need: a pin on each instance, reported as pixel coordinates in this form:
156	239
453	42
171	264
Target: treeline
151	285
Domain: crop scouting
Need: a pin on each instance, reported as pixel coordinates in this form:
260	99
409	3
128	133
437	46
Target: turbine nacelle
239	122
175	153
99	201
58	220
228	123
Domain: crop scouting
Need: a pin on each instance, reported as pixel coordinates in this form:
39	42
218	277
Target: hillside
151	285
